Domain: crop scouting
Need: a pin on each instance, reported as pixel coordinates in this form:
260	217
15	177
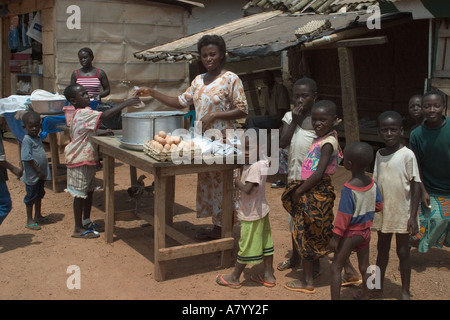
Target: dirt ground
34	264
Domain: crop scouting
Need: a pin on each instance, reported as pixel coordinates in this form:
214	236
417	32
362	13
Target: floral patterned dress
223	94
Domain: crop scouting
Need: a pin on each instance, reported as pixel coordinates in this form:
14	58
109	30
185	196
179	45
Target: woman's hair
87	50
213	39
305	81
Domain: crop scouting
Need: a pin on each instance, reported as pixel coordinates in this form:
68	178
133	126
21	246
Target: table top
111	146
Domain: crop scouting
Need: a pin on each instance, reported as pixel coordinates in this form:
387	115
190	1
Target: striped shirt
91	84
357	208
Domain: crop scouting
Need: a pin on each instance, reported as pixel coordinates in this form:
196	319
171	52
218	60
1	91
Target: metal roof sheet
260	34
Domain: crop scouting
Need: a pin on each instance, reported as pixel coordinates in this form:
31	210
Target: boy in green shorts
255	244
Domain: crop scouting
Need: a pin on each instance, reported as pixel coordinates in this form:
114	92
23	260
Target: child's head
415	107
77	95
358	156
304	93
390	128
323	117
32	123
433	105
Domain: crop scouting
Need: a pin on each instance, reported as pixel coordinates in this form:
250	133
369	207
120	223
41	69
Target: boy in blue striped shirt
360	199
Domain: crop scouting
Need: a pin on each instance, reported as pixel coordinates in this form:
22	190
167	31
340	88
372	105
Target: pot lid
153	114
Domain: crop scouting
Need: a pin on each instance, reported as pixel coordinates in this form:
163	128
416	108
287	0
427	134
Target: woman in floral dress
219	99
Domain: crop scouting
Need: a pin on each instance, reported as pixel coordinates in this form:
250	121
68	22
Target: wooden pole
348	89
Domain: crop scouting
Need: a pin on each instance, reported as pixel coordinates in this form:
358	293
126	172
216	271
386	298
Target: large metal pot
138	127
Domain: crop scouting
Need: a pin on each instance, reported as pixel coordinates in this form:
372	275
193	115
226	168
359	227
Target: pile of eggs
163	143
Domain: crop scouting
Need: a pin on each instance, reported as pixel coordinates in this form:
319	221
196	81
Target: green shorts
255	242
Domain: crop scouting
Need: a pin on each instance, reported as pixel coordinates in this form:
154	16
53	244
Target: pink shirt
80	150
311	161
254	206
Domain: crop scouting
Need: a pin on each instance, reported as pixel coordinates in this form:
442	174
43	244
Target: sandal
33	226
220	280
291	286
88	234
349	282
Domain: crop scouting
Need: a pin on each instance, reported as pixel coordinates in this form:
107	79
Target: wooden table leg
133	175
170	199
54	156
108	176
160	223
227	214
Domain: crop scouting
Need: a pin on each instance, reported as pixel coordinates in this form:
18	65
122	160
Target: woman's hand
143	92
207	121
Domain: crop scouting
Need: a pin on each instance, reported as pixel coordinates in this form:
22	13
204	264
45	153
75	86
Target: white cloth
13	103
298	148
394	174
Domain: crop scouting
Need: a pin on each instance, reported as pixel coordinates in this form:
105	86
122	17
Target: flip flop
346	282
220	280
260	279
289	285
33	226
88	234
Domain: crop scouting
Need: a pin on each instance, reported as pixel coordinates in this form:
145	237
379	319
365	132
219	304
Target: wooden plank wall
386	75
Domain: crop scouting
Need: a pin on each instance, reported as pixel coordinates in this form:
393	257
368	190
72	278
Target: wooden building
113	29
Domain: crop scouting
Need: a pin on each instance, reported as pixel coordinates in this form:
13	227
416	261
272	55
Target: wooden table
164	178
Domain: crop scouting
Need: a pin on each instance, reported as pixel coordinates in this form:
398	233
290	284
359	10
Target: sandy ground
37	264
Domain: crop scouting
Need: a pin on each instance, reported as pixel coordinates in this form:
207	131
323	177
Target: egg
169	140
176	139
156	137
162	134
167	146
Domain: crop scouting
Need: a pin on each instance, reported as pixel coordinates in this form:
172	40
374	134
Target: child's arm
113	111
247	187
36	168
415	190
325	155
16	171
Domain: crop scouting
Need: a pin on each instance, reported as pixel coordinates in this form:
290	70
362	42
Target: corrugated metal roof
257	35
315	6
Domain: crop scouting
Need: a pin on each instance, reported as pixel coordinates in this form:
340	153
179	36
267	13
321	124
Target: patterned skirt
313	218
434	228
